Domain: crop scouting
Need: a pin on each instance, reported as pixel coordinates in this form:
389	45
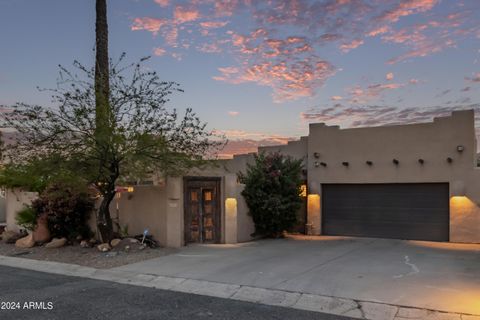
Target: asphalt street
28	294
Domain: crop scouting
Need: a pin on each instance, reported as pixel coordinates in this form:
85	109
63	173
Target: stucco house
416	181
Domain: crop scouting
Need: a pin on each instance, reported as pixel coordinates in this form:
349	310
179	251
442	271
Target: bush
272	193
67	207
27	218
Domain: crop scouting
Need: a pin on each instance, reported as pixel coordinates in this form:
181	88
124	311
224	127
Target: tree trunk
102	81
103	115
104	223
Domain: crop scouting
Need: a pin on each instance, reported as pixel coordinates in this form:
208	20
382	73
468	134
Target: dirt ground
89	257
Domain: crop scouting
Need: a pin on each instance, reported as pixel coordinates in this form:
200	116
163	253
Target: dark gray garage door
399	211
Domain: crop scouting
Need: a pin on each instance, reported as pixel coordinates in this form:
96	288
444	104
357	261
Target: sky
261	71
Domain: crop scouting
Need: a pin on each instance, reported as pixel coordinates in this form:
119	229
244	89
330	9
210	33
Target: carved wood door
202	210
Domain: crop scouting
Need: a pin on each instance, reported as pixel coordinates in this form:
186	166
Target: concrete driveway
429	275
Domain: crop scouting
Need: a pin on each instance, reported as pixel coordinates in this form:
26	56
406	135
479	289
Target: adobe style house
417	181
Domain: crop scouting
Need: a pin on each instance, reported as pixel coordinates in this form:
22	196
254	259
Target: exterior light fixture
316	164
449	160
421	161
304	172
345	163
395	162
323	164
460	148
130	189
316	155
368	162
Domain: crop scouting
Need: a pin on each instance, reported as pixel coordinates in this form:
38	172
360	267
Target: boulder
11	236
104	247
41	234
115	242
25	242
56	243
86	244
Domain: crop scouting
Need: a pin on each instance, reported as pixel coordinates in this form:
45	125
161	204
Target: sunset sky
260	71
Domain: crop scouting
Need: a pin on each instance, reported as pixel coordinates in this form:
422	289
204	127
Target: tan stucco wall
142	209
15	200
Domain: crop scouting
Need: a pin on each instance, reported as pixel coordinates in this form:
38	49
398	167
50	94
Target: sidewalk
297	300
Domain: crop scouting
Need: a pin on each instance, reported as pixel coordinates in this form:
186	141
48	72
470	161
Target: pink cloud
369	115
233	113
474	78
159	52
149	24
213	24
182	14
346	47
389	76
406	8
162	3
336	98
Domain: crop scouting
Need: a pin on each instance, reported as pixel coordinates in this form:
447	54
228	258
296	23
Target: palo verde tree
144	136
109	123
272	192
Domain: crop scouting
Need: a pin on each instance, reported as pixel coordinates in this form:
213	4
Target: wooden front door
202	210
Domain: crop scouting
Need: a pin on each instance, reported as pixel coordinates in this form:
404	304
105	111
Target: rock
26	242
115	242
10	236
41	234
133	240
104	247
127	248
85	244
56	243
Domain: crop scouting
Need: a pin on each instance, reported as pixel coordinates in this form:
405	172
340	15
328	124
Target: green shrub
27	218
67	207
272	193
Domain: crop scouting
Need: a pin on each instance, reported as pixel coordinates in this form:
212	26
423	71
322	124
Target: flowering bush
67	208
272	192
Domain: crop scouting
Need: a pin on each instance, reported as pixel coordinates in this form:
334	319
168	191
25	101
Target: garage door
399	211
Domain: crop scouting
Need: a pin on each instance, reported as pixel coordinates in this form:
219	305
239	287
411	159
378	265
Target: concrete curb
296	300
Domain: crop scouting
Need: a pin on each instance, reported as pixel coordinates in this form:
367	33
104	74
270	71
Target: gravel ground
89	257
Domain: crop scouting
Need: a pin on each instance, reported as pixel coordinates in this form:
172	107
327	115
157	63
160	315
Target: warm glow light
460	203
130	189
303	190
230	204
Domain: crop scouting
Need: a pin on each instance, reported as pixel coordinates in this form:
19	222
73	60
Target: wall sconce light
449	160
395	162
421	161
345	163
130	189
316	164
368	162
323	164
316	155
460	148
304	172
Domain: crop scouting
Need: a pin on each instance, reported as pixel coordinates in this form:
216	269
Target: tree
144	136
272	192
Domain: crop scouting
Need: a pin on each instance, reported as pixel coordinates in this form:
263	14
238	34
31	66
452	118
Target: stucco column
174	212
231	208
314	214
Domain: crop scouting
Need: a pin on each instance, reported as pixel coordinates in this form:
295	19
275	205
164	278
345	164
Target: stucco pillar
230	208
314	215
174	212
